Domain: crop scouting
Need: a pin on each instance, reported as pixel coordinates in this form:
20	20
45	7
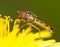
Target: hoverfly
32	18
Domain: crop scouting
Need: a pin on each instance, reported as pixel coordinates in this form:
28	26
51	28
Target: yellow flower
26	38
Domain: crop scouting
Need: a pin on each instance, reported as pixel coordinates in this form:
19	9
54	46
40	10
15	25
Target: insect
32	18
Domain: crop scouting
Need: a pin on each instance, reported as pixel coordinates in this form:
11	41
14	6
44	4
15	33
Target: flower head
26	38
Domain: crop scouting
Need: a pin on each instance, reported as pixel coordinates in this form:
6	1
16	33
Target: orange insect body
31	17
45	26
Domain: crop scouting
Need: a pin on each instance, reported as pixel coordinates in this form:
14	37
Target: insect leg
34	26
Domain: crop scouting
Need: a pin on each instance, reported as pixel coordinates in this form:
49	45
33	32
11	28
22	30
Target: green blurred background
46	10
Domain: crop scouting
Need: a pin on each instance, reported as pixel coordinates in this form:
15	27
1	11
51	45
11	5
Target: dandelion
26	38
